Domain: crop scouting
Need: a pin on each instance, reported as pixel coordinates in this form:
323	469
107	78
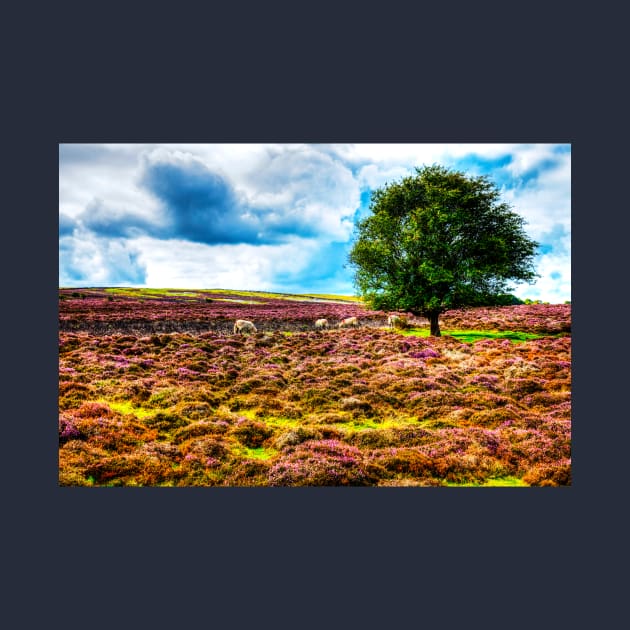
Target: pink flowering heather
158	391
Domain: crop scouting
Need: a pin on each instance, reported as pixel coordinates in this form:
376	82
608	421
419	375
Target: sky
277	217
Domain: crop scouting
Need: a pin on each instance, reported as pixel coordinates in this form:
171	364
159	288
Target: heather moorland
155	389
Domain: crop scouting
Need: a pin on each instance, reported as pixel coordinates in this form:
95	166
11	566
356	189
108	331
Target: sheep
349	321
394	320
243	326
321	323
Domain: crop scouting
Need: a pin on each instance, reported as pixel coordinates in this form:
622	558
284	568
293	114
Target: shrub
369	438
406	461
330	417
72	394
199	428
552	474
267	405
409	436
197	410
114	433
165	421
296	436
248	473
137	392
134	469
357	407
250	433
93	410
402	322
522	386
323	463
492	418
206	447
468	468
164	397
68	430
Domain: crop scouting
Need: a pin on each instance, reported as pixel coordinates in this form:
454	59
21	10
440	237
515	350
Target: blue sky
276	217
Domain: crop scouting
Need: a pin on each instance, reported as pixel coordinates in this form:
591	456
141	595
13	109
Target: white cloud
109	176
546	202
198	266
374	176
85	260
306	187
554	285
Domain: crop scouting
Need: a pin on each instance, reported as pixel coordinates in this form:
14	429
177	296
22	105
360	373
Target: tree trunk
435	325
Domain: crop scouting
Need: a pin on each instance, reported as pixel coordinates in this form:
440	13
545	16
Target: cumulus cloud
312	193
287	193
544	200
243	265
198	205
66	225
554	284
85	260
110	222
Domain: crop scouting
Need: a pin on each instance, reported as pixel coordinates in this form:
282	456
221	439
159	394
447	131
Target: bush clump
552	474
296	436
322	463
250	433
72	394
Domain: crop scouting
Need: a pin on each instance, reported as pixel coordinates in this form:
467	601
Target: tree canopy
438	240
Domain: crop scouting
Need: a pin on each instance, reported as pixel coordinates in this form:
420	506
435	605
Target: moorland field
155	389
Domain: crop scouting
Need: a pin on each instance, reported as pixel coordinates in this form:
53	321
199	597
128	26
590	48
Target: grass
139	292
497	482
470	336
150	293
351	426
330	296
389	423
128	408
255	453
238	301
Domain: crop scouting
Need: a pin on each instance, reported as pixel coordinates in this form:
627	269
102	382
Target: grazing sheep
393	321
243	326
349	321
321	323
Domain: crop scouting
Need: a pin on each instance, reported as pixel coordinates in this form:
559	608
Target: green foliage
504	299
439	240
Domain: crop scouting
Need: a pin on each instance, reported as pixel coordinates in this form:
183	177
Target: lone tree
439	240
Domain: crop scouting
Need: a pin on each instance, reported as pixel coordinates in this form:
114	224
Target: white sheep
349	321
394	320
243	326
321	323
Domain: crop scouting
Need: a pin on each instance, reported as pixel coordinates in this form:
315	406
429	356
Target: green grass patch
238	301
335	298
497	482
126	408
152	293
389	423
512	482
254	453
470	336
258	294
141	293
272	421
